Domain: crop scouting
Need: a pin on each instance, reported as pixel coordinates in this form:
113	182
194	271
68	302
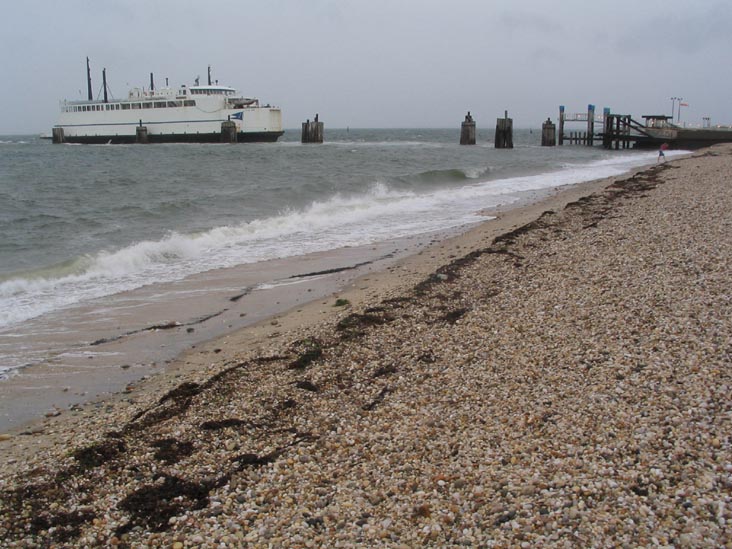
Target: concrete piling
467	130
504	132
141	135
548	133
228	132
57	135
312	132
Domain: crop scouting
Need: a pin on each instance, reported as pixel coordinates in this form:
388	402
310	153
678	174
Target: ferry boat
197	114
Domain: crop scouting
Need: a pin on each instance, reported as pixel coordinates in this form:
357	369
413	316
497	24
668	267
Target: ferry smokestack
209	75
152	82
88	80
104	85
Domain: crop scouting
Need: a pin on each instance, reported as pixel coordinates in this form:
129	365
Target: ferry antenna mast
88	81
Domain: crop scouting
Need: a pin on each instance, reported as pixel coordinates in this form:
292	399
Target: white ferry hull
194	114
174	125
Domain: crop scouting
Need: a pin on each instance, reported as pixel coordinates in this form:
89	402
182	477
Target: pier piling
57	135
467	130
312	132
228	132
590	125
141	136
504	132
548	133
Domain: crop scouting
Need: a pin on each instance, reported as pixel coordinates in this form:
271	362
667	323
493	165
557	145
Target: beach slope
566	381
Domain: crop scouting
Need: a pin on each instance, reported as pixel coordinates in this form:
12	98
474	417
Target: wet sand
557	376
91	352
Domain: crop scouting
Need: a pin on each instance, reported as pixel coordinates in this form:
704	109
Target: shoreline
43	391
563	379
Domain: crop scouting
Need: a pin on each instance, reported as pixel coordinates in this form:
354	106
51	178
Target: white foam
379	213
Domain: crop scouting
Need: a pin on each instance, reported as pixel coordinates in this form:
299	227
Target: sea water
81	222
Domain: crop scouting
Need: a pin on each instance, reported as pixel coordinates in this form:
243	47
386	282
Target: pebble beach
565	383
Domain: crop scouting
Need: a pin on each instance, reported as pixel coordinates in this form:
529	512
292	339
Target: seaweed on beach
36	501
249	459
217	424
354	325
182	392
384	371
510	237
98	454
306	385
170	450
376	400
451	317
171	404
254	460
153	506
310	350
397	302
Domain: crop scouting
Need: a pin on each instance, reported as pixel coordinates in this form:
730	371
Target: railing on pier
619	131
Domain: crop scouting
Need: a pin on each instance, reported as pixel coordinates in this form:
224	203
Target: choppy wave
445	177
381	212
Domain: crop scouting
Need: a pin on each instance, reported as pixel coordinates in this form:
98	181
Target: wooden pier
586	137
622	131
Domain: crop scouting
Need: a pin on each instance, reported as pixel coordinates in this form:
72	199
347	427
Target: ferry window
189	103
147	105
116	107
135	105
125	106
160	104
175	103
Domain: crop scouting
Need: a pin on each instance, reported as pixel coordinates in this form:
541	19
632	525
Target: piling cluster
312	131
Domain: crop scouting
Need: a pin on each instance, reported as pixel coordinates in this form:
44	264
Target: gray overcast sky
378	63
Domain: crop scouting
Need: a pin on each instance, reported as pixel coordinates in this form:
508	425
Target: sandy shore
558	376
